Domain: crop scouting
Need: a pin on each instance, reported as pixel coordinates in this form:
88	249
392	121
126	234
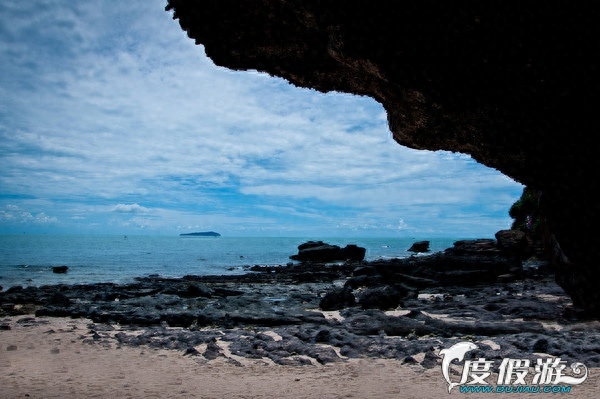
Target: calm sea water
28	259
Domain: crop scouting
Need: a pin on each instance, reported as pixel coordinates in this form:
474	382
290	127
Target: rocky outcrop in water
60	269
514	87
318	251
419	246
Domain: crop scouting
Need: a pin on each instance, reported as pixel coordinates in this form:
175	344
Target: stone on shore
318	251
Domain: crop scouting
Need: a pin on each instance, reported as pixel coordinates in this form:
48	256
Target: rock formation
318	251
514	86
419	246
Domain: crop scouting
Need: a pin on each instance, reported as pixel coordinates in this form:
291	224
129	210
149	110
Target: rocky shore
302	313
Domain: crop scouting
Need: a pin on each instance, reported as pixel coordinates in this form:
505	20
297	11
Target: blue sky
113	121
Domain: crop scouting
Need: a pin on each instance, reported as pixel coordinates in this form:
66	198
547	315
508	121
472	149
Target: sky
112	121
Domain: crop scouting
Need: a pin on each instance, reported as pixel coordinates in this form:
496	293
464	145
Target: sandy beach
47	358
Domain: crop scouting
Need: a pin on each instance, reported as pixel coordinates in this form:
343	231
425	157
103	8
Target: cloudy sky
113	121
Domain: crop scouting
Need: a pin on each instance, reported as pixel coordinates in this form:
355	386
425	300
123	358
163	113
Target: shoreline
381	323
48	359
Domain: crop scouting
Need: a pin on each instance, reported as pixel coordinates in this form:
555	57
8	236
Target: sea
27	260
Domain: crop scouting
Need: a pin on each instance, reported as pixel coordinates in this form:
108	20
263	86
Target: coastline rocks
469	263
419	246
60	269
384	297
318	251
337	299
271	315
515	243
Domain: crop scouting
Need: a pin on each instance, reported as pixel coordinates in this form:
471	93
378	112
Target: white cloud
101	108
14	214
130	208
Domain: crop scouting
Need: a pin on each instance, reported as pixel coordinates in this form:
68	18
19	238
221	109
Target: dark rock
60	269
323	355
417	282
364	281
481	247
506	278
364	271
58	299
430	360
337	299
419	246
541	346
318	251
218	291
191	290
353	252
409	360
191	351
323	336
212	350
386	297
514	243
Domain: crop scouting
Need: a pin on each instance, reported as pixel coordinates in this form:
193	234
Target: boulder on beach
318	251
515	243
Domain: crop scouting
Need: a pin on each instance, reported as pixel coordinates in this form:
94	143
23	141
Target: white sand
60	365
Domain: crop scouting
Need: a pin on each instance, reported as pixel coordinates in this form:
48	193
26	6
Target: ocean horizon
28	259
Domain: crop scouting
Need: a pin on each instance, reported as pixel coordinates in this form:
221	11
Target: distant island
202	234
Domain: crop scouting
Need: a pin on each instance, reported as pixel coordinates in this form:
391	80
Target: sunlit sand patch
224	346
491	344
397	312
419	357
549	297
201	348
329	314
274	335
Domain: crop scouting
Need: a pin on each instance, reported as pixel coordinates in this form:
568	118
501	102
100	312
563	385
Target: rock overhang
515	87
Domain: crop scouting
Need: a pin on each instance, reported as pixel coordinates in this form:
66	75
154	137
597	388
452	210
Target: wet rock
191	290
337	299
541	346
430	360
58	299
514	243
419	246
212	350
318	251
386	297
482	247
60	269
